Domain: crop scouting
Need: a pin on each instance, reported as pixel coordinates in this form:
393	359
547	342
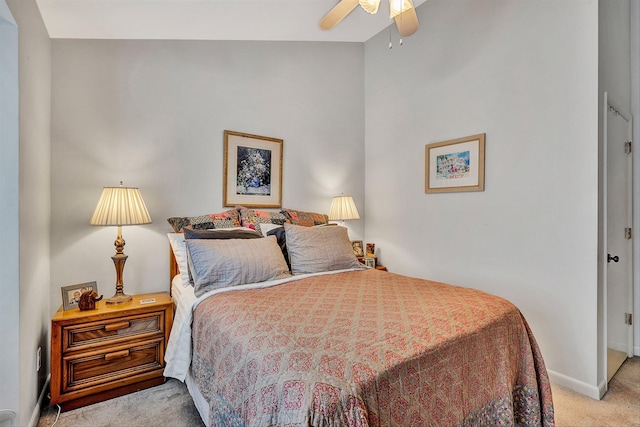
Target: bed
325	341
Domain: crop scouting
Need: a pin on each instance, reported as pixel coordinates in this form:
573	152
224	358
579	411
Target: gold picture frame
252	170
455	165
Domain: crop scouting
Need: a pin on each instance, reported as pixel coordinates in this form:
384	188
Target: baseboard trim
35	415
577	386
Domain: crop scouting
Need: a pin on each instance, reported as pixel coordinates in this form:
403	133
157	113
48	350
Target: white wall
9	188
152	113
526	74
32	246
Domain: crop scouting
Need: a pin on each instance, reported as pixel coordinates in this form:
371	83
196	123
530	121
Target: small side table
110	351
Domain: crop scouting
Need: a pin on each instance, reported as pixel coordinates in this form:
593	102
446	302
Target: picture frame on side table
456	165
358	250
71	294
252	170
371	249
370	261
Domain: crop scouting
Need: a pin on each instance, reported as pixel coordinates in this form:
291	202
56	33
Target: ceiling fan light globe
396	7
371	6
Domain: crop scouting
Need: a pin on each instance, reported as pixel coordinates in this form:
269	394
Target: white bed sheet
199	401
176	288
178	292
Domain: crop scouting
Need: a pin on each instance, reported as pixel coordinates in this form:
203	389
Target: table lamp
120	206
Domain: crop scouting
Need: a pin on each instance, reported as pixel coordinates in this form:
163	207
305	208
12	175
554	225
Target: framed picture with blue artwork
455	165
252	170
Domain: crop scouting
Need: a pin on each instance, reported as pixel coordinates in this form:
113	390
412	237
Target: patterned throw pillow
306	219
252	218
226	219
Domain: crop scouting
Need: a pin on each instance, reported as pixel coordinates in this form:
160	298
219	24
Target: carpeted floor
166	405
171	405
620	406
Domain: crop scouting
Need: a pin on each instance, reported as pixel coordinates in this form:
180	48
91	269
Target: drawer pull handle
116	355
116	326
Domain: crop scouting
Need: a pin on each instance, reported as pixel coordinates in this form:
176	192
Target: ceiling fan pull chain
390	44
400	29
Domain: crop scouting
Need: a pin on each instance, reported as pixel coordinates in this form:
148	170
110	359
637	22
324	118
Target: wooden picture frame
455	165
71	294
252	170
358	249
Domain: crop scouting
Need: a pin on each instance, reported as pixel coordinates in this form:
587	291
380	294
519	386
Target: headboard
173	267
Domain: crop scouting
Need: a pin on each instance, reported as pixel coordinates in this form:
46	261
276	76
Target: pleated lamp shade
343	208
120	206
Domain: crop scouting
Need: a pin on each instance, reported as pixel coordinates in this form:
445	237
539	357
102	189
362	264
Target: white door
618	227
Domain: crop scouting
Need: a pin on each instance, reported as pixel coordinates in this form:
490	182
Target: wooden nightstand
110	351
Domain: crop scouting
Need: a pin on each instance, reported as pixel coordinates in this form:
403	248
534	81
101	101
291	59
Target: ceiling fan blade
407	22
337	14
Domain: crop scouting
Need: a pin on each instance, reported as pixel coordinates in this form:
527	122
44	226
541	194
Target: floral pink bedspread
368	348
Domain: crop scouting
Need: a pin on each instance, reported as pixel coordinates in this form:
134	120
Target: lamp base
119	298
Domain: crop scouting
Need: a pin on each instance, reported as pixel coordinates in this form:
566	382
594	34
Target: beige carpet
171	405
620	406
166	405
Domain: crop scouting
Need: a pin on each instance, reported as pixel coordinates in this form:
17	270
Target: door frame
607	103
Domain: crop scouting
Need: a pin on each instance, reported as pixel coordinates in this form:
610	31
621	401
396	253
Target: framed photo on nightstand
71	294
358	249
371	249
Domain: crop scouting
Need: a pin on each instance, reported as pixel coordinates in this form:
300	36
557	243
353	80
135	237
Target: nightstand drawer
89	335
82	371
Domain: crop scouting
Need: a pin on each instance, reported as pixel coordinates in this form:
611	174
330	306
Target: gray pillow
318	249
220	263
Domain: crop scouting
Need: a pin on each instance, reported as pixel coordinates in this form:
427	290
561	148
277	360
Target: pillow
252	219
226	219
278	231
220	263
307	219
317	249
179	249
221	233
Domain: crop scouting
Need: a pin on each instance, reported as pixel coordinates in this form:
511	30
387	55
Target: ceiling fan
402	11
